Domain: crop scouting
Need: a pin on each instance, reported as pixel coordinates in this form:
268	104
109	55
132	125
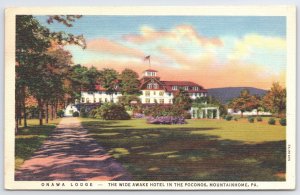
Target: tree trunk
40	104
52	111
20	119
24	105
241	114
16	124
47	112
55	109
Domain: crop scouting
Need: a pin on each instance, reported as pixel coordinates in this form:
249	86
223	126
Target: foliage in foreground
169	120
110	111
272	121
282	121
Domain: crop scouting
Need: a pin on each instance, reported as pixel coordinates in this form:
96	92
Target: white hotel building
153	90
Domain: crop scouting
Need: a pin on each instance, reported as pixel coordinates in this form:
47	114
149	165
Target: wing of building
154	90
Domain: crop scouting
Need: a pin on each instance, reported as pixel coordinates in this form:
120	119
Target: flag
146	58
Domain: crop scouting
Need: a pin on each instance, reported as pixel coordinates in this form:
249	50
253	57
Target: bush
272	121
228	117
112	111
159	110
282	121
259	119
75	114
166	120
83	112
138	115
187	115
235	119
60	113
251	119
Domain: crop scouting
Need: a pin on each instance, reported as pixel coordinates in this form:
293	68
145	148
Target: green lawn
200	150
29	139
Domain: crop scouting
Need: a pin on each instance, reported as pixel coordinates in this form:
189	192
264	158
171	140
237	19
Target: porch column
205	112
218	114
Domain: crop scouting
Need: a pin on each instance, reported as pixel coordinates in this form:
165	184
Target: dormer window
196	88
155	86
174	87
149	86
186	88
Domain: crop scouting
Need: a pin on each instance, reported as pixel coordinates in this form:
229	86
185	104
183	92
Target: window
147	100
82	100
174	87
90	92
170	101
186	88
149	86
147	93
170	94
155	86
155	101
196	88
100	100
87	100
100	92
161	93
105	100
161	101
94	100
116	93
154	92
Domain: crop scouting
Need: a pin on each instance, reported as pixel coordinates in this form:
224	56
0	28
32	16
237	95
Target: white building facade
153	90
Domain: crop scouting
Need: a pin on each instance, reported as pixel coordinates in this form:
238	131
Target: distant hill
224	95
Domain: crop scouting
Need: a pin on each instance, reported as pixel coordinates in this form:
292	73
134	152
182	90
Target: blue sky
253	47
114	26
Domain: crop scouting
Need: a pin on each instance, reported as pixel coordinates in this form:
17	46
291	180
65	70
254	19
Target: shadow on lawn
175	154
29	139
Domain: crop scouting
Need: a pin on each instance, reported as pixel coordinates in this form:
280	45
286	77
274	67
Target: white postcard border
288	11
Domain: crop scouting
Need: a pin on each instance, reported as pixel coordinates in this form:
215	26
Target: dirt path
71	155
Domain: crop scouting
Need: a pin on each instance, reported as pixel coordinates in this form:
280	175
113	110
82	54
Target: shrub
259	119
187	115
83	112
272	121
166	120
60	113
228	117
235	118
282	121
75	114
251	119
159	110
138	115
112	111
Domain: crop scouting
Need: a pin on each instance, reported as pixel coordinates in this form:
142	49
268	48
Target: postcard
150	98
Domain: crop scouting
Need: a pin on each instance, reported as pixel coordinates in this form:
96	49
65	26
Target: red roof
100	88
169	84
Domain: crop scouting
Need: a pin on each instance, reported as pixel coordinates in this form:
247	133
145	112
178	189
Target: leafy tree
129	82
245	102
34	66
275	99
182	100
109	80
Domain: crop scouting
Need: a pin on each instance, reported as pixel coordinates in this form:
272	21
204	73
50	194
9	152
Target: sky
213	51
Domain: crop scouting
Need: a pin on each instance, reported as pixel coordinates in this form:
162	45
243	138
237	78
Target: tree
182	100
245	102
275	99
109	80
129	82
33	73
